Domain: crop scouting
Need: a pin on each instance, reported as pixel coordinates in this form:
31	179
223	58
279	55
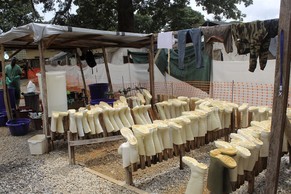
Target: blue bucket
11	92
18	127
98	90
3	119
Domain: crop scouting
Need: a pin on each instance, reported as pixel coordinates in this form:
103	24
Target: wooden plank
120	183
280	100
107	69
93	141
46	131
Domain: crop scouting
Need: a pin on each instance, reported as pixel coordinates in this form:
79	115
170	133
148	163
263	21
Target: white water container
56	91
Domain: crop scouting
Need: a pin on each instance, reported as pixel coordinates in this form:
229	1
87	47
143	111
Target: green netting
138	57
190	72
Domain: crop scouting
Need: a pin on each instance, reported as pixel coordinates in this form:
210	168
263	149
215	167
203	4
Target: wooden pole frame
107	69
151	70
280	100
5	89
83	77
41	48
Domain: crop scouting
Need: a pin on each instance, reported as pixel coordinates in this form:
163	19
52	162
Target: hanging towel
165	40
195	35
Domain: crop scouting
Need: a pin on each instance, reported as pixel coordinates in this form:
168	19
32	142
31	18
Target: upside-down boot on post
165	136
141	98
218	180
131	153
161	111
72	121
60	125
79	117
122	115
86	126
90	118
243	110
117	118
146	113
186	106
54	121
147	95
97	124
198	170
138	119
108	125
141	114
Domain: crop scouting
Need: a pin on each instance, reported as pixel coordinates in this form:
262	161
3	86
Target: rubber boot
122	115
141	110
54	121
138	119
117	118
146	113
161	111
97	124
60	125
73	125
147	95
90	118
141	98
198	170
79	118
107	122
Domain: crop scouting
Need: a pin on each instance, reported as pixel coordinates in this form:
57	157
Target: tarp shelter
48	36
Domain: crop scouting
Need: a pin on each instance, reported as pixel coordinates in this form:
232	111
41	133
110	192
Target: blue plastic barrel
18	127
98	91
11	92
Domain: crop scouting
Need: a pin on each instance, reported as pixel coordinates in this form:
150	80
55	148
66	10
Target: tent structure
47	36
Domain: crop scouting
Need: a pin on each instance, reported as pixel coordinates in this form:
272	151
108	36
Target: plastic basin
18	127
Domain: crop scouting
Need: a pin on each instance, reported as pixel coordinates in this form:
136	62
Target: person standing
13	73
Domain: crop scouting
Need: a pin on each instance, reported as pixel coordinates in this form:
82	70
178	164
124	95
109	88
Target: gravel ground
21	172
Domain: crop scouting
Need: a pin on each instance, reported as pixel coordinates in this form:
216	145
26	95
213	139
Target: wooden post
107	69
279	100
151	71
5	89
44	89
83	77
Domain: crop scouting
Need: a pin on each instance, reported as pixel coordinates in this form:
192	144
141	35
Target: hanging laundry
250	38
272	29
195	35
166	40
220	33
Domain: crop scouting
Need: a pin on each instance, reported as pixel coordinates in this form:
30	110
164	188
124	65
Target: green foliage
149	15
15	13
224	8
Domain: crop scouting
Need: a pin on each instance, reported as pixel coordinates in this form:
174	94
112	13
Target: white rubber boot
90	118
117	118
138	119
54	121
254	110
141	98
146	113
161	111
60	125
132	141
122	115
176	133
141	110
176	106
79	117
198	170
156	139
167	107
86	126
186	106
107	122
164	134
147	95
97	124
111	113
73	125
194	124
145	139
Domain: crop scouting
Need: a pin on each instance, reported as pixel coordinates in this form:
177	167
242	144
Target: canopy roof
66	37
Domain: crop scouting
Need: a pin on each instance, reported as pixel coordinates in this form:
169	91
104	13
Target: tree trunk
125	16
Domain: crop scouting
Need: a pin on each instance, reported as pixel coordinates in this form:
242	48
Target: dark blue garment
195	35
